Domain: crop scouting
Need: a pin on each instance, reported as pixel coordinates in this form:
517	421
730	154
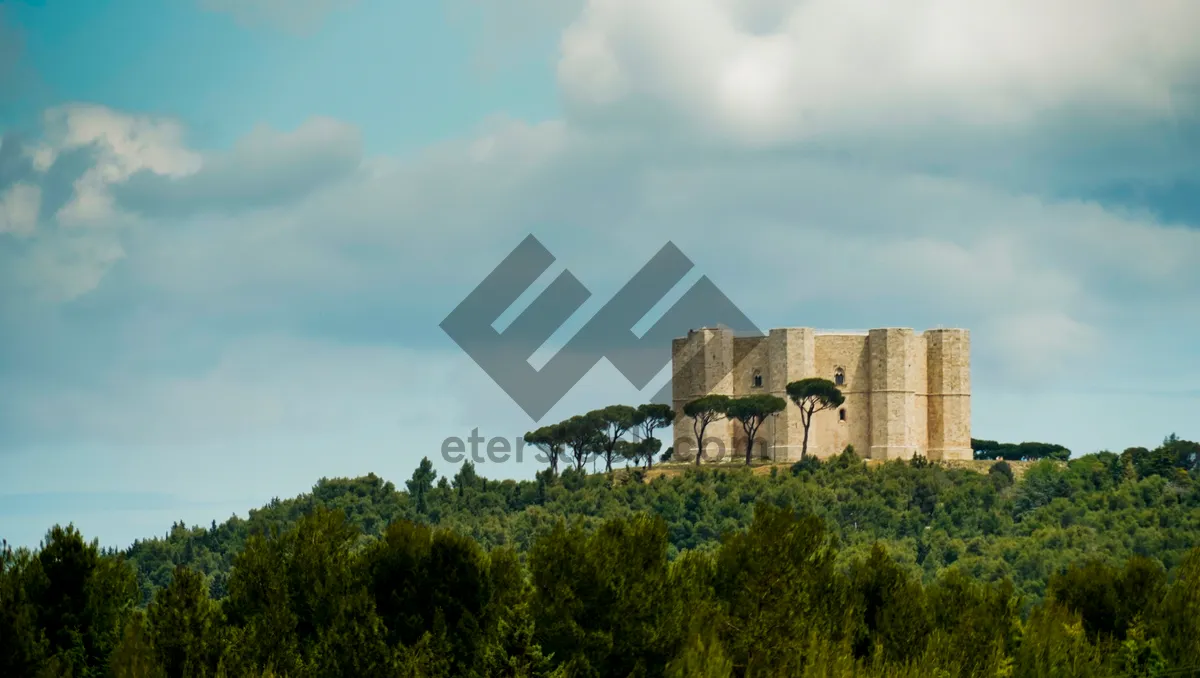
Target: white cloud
837	243
296	233
139	166
802	69
294	16
128	143
62	267
124	144
793	240
19	208
265	168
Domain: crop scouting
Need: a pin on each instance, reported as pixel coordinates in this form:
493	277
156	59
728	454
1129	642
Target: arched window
842	414
839	377
757	379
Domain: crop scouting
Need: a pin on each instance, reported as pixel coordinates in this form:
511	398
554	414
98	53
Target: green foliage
1178	618
784	559
1088	568
635	452
937	517
704	411
650	418
551	440
1161	461
183	625
583	436
81	598
990	449
1002	475
703	657
602	600
135	656
614	422
751	411
810	396
23	644
421	484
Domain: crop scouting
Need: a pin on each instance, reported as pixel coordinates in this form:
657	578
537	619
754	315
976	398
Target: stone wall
949	394
906	393
702	363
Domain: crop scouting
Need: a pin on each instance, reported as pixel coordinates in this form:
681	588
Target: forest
1083	567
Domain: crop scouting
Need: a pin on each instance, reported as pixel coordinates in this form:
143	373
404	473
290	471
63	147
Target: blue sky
228	231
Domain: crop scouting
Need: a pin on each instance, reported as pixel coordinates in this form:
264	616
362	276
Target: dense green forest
1089	567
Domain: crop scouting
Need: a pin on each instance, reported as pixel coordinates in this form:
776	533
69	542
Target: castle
907	393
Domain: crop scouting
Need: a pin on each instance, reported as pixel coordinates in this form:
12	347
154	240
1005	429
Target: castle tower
949	388
893	393
791	356
702	364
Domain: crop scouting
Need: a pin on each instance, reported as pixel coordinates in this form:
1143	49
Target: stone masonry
907	393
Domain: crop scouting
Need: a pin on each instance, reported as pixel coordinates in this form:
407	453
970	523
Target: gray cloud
267	169
15	164
820	70
58	182
1047	281
995	226
54	186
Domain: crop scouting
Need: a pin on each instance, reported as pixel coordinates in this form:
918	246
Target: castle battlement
907	392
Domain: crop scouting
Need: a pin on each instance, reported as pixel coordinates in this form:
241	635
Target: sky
229	229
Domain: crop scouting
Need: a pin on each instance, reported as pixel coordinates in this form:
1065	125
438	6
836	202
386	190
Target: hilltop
1017	520
1087	567
764	467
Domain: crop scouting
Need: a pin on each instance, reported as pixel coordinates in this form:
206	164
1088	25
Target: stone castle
906	393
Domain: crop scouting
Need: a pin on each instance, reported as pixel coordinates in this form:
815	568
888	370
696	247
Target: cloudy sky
229	230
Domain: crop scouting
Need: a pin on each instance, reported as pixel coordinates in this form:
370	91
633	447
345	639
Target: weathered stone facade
906	393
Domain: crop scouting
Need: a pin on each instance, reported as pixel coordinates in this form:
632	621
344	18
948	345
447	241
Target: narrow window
839	377
842	414
757	379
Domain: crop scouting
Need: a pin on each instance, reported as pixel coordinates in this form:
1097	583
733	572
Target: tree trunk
804	443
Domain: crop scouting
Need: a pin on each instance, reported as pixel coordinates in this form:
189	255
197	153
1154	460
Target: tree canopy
1089	567
813	395
752	412
704	411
